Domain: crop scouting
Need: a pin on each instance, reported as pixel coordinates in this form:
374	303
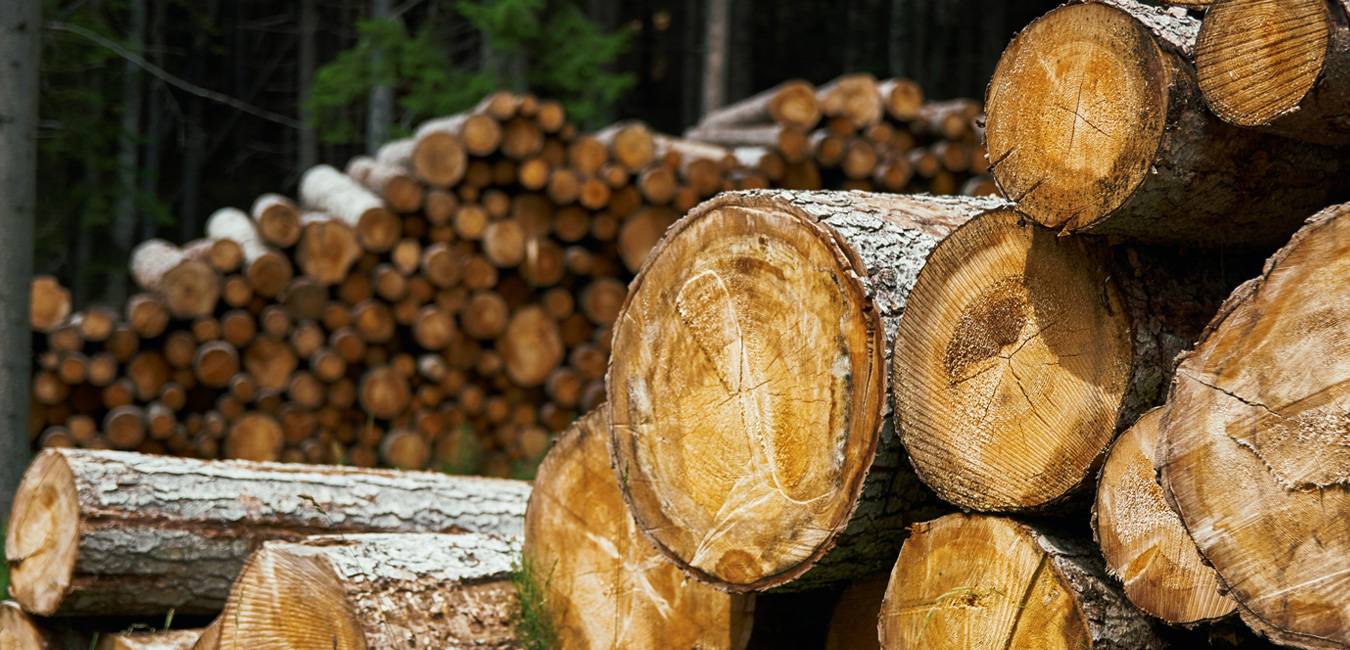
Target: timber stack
446	303
1109	411
1129	376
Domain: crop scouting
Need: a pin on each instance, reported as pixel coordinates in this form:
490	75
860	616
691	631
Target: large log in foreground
96	532
747	384
374	592
1281	66
1021	355
1143	541
976	581
1252	451
1096	125
603	584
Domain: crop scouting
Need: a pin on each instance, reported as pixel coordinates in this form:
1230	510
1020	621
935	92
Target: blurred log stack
446	303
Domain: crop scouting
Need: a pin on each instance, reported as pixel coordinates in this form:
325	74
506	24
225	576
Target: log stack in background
446	303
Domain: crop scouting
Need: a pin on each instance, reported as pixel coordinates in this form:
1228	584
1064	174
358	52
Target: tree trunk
124	220
1144	543
20	23
175	532
1283	68
309	142
19	631
1022	354
1151	163
1251	449
375	591
974	581
715	62
737	400
380	108
603	584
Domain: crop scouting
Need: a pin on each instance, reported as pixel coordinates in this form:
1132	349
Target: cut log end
1062	170
1252	446
1257	61
966	581
1006	314
1144	542
734	358
374	591
42	537
604	585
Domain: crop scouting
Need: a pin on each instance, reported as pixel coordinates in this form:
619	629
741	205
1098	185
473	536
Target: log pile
447	303
1147	432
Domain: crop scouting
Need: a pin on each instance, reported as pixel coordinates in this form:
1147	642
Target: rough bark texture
1128	147
603	583
1283	67
787	376
327	189
1022	354
20	26
975	581
375	591
1144	543
110	532
1252	450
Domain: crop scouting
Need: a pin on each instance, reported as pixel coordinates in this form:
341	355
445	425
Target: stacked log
176	532
447	303
855	133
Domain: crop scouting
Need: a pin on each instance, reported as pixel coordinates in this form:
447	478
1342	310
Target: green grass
533	623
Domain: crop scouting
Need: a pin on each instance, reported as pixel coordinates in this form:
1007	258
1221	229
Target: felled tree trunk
1252	450
853	626
602	583
190	287
975	581
269	270
152	640
1144	543
791	103
327	189
374	591
747	384
1280	67
175	532
1022	354
1096	125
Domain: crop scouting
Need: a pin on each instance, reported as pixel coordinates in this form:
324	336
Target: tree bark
375	591
20	23
1152	163
1251	448
603	584
175	532
1022	354
380	108
1144	543
789	390
190	287
974	581
124	220
1281	67
153	640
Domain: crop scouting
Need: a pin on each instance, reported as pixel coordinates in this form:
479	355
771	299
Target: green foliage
532	622
565	61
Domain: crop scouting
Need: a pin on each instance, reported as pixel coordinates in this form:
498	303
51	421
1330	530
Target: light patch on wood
1075	113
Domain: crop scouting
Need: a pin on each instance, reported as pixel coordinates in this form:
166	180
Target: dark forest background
154	113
